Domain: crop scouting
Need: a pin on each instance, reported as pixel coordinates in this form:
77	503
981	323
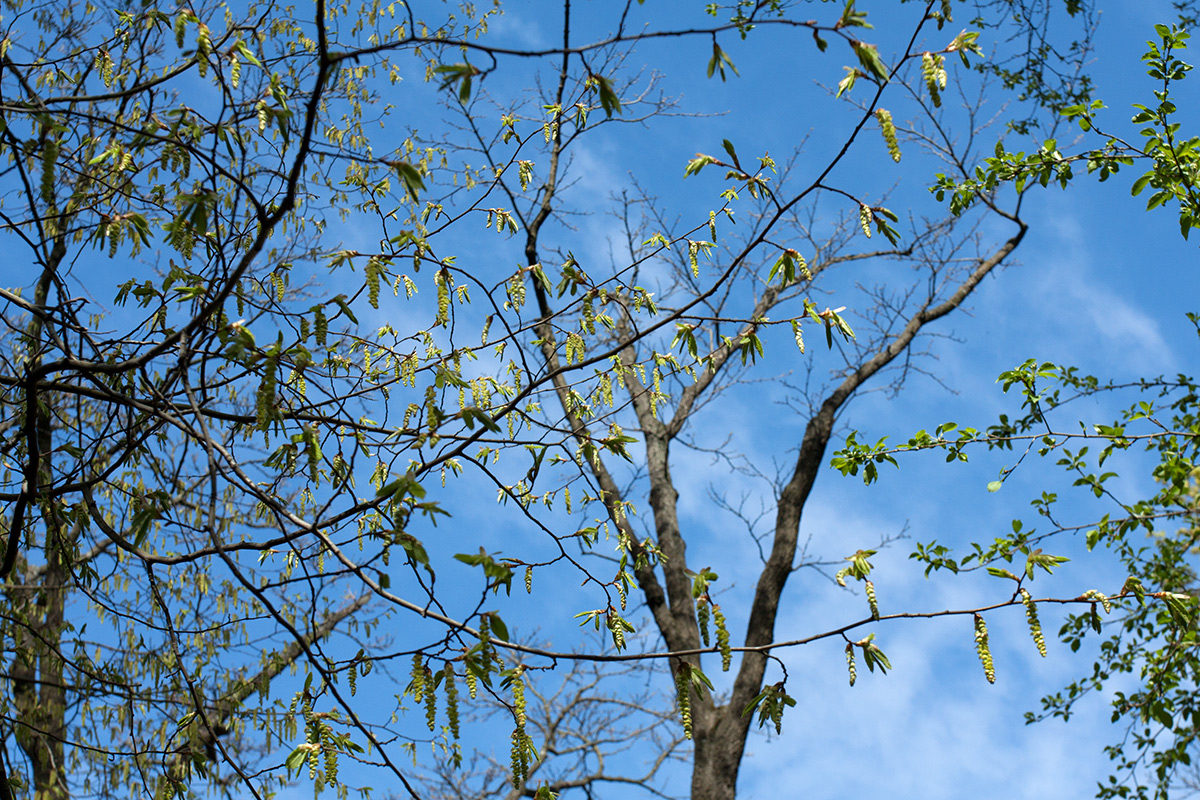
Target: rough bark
38	688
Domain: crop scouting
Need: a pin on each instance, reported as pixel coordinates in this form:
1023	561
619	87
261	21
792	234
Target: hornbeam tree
262	348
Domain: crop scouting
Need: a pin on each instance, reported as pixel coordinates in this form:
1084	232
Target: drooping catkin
330	753
888	128
984	651
520	757
518	691
850	662
430	700
485	650
723	639
451	698
702	614
865	217
418	678
1035	625
683	692
933	69
872	601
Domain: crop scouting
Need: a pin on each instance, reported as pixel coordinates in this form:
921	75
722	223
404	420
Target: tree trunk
719	735
37	667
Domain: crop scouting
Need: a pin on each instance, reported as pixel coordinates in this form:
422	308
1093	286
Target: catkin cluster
520	757
888	127
521	743
933	70
1093	594
1035	625
617	630
330	753
984	651
850	662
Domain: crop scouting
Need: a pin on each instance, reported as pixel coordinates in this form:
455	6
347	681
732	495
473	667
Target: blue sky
1097	283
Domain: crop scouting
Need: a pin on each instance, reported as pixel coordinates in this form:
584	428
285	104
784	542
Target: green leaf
297	757
720	59
499	629
868	56
608	96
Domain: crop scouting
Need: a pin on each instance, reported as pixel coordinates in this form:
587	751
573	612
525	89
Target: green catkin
472	683
518	690
1103	598
330	753
777	713
723	639
432	413
518	771
313	737
872	602
321	326
430	701
934	71
702	614
529	580
418	678
983	650
850	662
683	697
618	632
888	128
451	698
864	219
802	265
520	757
485	651
516	290
373	271
1035	625
49	158
443	299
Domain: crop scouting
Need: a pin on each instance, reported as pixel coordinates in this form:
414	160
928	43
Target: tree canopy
266	374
